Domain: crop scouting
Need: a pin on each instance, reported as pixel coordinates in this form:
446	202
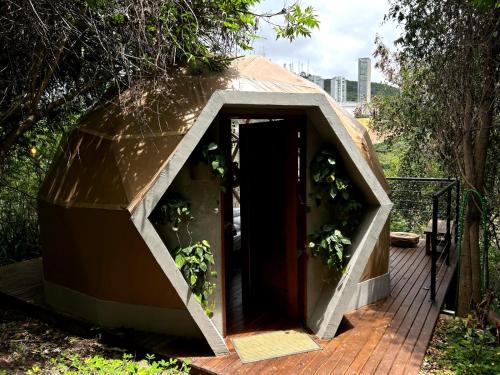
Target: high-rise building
364	79
327	85
338	89
317	80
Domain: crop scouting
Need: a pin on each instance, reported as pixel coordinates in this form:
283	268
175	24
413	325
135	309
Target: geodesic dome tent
105	261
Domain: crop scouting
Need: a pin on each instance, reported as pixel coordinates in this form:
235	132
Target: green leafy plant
330	241
329	244
299	22
459	346
174	208
327	174
194	262
74	364
215	159
348	215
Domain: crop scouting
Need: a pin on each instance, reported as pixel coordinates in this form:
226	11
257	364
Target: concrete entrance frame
333	303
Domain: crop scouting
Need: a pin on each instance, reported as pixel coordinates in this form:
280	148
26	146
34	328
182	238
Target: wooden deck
388	337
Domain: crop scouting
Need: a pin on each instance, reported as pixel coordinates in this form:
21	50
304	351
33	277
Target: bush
100	365
21	175
460	347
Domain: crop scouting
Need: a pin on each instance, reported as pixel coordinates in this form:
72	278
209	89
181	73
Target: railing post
447	237
435	216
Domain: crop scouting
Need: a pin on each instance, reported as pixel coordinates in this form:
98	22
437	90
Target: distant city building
364	80
315	79
327	85
338	89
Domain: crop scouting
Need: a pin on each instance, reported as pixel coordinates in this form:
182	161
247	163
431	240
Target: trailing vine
330	241
176	209
325	173
215	159
194	260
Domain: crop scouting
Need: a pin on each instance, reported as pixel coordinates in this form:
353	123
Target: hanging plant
215	159
194	262
327	174
348	215
329	244
174	209
330	241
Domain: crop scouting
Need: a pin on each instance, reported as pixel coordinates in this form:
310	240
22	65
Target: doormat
273	345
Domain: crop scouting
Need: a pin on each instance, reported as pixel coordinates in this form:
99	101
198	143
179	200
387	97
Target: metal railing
418	198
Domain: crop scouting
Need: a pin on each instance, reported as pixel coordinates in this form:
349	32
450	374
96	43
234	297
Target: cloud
347	32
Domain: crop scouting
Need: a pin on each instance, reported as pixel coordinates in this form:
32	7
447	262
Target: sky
347	31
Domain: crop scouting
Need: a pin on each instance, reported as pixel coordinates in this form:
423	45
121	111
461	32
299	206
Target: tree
447	68
57	54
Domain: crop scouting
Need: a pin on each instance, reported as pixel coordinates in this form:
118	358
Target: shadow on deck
388	337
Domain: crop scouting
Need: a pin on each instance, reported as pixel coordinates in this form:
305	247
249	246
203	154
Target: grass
459	347
31	346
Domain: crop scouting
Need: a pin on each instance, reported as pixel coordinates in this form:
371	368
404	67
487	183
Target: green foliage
324	171
494	276
194	262
215	159
329	241
299	22
486	4
73	365
174	208
329	244
409	214
390	155
459	347
90	50
20	179
377	89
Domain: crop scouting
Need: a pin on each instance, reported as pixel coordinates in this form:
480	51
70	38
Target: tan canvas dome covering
108	164
118	149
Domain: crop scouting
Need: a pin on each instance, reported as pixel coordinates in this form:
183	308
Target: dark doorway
263	279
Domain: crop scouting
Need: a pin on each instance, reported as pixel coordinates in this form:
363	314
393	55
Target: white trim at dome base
371	291
112	314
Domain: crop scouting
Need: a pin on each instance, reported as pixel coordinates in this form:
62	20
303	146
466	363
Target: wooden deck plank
398	313
419	307
410	260
399	257
405	352
418	353
390	336
398	295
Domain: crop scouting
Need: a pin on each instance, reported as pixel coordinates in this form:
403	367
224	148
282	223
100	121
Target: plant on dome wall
330	241
325	174
194	260
215	159
174	209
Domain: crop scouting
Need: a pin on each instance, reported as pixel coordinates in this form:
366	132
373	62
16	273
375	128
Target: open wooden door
269	169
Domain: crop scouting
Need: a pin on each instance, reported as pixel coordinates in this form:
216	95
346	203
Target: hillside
377	89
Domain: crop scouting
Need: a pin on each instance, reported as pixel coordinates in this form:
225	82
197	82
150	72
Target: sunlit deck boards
389	337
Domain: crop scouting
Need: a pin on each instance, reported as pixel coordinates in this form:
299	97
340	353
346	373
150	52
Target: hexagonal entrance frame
332	306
